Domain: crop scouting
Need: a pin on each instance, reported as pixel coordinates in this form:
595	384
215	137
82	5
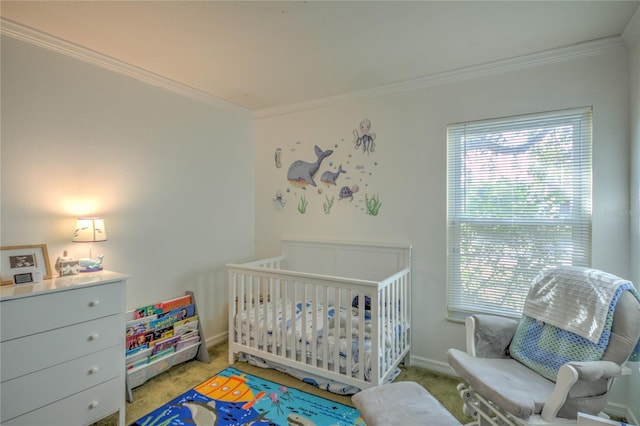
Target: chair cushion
508	383
401	403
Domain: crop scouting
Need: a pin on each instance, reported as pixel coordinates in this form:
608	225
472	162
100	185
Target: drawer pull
93	337
94	303
93	405
93	370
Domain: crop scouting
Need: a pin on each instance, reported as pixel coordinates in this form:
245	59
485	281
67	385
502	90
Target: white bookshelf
140	374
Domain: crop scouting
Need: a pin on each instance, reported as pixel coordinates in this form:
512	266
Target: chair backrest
617	342
564	307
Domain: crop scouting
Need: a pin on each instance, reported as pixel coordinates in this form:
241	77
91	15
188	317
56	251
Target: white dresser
62	350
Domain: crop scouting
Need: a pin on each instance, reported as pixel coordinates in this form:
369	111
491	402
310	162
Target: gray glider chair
579	327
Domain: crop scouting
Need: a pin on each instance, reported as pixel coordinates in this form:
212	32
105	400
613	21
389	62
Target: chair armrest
489	336
569	374
595	370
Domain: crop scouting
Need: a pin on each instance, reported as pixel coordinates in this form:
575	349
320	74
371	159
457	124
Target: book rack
138	375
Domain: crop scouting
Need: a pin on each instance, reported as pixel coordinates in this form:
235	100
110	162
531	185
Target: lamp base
91	269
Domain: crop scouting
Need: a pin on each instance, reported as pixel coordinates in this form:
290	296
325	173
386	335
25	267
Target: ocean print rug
233	397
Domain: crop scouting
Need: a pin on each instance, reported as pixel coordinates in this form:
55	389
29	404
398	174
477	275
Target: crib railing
257	289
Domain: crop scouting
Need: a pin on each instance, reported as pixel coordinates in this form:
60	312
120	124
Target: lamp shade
89	229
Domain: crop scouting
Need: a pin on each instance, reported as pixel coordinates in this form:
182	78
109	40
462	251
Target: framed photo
23	259
69	267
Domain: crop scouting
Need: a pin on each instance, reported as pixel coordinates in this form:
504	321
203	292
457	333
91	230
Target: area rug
232	397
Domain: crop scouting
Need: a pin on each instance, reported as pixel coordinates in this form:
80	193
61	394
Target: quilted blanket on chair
544	347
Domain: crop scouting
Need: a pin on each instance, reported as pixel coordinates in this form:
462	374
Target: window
519	201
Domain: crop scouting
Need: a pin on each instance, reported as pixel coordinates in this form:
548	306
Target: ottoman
402	404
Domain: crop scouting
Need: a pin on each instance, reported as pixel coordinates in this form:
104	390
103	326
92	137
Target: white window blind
519	201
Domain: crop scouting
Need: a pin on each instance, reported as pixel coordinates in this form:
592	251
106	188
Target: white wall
410	174
173	177
633	38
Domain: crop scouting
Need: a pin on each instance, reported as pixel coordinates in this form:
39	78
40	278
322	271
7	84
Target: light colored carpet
172	383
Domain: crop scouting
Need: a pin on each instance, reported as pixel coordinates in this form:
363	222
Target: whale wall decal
302	173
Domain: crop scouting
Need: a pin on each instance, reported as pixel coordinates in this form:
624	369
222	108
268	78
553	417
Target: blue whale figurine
91	264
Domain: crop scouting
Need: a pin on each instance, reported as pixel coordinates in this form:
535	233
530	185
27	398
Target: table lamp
90	230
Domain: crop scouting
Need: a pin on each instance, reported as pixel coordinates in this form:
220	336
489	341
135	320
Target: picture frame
69	267
23	259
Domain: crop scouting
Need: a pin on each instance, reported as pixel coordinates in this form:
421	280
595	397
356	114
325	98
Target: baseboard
619	410
433	365
217	339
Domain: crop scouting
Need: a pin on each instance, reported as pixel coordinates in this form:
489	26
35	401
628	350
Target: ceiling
267	54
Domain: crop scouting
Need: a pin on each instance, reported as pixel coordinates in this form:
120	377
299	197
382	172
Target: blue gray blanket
545	348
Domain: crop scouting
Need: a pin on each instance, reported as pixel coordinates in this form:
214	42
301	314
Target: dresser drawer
38	351
42	312
80	409
26	393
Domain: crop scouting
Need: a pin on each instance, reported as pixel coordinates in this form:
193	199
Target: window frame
580	219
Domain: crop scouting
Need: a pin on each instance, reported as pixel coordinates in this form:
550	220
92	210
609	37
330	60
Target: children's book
183	343
161	335
140	339
142	353
139	325
189	335
161	354
167	319
180	313
138	363
145	311
169	305
131	352
165	322
185	325
163	344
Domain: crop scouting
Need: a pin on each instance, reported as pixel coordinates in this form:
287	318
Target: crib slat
304	328
376	341
361	320
292	342
325	328
282	333
336	330
241	305
387	323
393	311
255	295
264	284
348	337
233	312
314	327
406	314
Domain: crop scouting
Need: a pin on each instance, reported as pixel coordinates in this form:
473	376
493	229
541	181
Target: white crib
322	305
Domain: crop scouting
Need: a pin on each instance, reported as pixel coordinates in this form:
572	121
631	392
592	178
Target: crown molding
631	33
591	48
49	42
581	50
